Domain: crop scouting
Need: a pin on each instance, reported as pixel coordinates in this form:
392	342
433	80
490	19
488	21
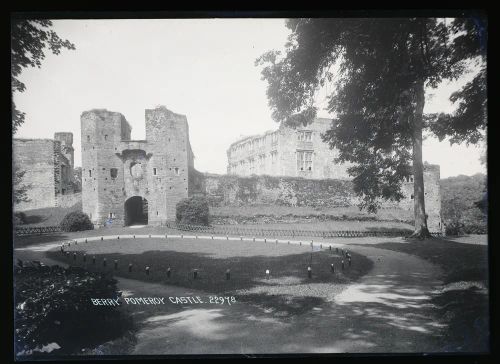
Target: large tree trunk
421	230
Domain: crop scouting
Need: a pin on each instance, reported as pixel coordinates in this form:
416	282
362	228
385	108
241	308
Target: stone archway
136	211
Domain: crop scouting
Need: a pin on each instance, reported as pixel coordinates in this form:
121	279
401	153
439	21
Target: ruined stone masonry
48	166
128	181
301	153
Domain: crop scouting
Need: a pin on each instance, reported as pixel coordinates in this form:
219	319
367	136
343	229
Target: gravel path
388	310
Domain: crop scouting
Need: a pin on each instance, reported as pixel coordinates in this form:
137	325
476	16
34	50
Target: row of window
255	143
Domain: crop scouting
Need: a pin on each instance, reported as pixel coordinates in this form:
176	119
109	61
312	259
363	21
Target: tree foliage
19	188
193	210
380	68
29	41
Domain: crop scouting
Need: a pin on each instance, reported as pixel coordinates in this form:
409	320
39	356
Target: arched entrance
136	211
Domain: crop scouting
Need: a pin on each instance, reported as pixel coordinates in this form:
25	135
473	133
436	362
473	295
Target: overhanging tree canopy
384	67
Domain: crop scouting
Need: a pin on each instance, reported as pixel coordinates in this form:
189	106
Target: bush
20	218
53	308
76	221
193	210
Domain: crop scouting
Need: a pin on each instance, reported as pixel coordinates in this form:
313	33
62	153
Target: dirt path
388	310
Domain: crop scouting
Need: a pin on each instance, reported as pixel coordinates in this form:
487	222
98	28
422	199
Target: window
274	137
304	136
106	137
90	173
274	155
304	160
411	197
88	138
113	172
154	171
176	170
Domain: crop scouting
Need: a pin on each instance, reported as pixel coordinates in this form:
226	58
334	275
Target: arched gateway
136	211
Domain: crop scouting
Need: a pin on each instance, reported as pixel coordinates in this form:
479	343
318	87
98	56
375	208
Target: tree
384	67
29	38
20	189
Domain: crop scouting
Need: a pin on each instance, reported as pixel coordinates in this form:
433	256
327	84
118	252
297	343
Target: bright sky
203	68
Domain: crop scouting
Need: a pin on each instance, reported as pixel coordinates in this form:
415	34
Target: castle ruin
301	152
48	166
126	181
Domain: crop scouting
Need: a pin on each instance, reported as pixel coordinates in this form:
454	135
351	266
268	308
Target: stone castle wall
230	190
115	168
48	171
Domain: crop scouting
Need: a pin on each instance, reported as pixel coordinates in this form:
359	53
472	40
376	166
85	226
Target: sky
202	68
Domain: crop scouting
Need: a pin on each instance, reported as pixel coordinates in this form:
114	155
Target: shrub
76	221
20	218
193	210
53	308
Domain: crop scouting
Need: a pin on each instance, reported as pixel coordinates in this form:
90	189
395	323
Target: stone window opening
412	197
304	136
90	173
106	137
304	160
113	172
88	138
154	171
176	170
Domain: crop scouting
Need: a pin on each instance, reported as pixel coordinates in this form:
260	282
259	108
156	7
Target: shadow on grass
25	241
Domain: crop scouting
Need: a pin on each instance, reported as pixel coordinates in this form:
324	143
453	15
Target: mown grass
247	262
48	216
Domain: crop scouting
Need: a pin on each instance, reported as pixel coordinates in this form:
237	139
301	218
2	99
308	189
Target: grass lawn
463	305
247	261
351	212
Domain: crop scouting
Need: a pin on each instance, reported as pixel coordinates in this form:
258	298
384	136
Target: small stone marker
196	237
166	236
330	247
300	243
104	262
332	267
76	242
343	266
69	244
349	261
321	246
228	274
134	236
195	273
130	267
147	271
86	240
254	239
62	249
84	257
168	272
74	256
288	242
267	273
309	272
102	238
116	264
150	235
67	254
118	237
182	236
93	259
241	237
276	241
265	240
337	249
212	237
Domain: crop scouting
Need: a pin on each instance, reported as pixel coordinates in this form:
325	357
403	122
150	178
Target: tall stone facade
134	181
287	152
48	167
